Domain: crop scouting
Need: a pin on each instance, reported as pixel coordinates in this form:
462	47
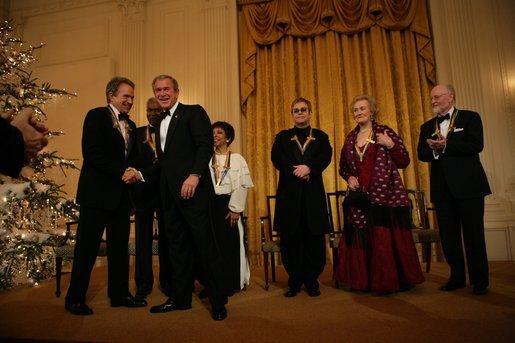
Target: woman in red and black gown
377	252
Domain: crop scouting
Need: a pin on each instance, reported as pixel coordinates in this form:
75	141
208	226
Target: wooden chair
335	210
66	251
269	239
422	231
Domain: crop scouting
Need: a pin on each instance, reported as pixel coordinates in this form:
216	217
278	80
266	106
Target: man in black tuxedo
107	143
451	142
301	154
146	201
184	148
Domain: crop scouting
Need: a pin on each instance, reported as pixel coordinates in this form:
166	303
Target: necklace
125	135
361	151
219	174
304	146
437	134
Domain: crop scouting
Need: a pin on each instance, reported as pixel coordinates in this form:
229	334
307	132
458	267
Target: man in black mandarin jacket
185	146
300	155
107	144
146	199
451	142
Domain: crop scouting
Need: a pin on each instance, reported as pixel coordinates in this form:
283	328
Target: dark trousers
303	256
457	217
92	222
189	235
228	239
143	275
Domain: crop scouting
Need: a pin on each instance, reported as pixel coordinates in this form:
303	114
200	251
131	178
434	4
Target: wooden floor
423	314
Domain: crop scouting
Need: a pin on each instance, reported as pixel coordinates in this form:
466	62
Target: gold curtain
329	51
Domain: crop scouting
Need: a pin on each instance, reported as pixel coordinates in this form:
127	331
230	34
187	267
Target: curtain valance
269	20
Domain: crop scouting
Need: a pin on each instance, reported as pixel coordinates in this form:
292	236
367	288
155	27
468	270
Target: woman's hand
353	183
233	218
385	140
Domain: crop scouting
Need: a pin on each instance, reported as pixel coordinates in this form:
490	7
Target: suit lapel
454	123
131	136
177	115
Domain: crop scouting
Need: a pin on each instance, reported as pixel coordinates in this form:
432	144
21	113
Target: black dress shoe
128	301
78	308
290	293
219	313
448	287
315	292
168	306
479	290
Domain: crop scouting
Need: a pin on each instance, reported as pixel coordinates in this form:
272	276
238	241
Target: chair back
419	211
268	220
335	210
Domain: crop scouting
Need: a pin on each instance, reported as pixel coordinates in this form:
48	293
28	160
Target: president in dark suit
107	143
146	201
451	142
184	148
301	154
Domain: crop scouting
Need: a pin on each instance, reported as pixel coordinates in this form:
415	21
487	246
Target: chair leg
273	267
265	257
58	269
335	259
428	257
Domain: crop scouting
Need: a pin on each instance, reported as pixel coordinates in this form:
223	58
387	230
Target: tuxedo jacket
188	149
294	195
11	149
103	150
144	194
458	166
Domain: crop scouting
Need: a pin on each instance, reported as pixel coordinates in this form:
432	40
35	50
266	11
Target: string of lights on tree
33	208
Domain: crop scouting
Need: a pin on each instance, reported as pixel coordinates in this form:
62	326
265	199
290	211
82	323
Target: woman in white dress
231	179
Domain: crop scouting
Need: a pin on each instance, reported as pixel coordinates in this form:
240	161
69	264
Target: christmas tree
33	208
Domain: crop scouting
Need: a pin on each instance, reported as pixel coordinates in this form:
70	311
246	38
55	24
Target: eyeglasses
436	97
297	110
154	110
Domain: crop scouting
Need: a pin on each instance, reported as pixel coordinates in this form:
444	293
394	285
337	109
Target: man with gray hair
451	142
107	142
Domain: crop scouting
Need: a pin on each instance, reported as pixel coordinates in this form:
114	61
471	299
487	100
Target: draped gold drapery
329	51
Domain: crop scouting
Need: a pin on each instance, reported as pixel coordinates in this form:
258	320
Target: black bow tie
123	116
165	113
442	118
152	129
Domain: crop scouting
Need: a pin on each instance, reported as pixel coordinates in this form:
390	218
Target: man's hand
302	172
131	175
34	132
189	186
437	145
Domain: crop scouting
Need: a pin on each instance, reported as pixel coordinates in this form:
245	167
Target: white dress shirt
165	123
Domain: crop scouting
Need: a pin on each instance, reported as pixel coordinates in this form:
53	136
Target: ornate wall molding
38	7
131	6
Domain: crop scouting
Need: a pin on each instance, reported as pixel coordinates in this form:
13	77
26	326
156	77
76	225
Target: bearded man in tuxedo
451	142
